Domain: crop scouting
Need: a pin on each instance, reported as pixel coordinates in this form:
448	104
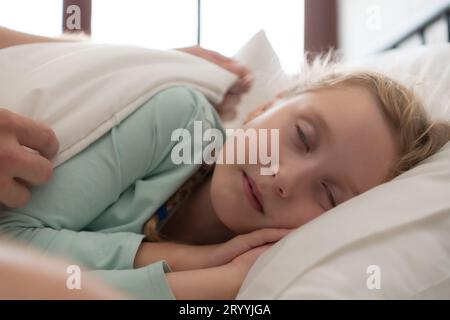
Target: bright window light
158	24
43	17
162	24
227	24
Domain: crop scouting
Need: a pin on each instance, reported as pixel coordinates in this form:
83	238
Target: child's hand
190	257
215	271
222	282
226	252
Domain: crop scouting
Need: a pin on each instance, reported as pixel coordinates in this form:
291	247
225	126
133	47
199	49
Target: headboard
419	28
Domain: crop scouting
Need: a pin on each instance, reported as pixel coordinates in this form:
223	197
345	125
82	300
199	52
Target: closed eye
303	138
329	195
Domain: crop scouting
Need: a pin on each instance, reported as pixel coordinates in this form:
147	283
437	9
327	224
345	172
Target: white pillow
425	69
400	228
269	78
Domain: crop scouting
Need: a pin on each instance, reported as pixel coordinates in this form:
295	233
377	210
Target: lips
252	193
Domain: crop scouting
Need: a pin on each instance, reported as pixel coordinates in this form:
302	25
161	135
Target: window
159	24
225	25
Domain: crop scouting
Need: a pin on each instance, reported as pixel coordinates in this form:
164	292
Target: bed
392	242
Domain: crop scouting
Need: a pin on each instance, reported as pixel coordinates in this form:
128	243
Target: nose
282	192
280	185
296	178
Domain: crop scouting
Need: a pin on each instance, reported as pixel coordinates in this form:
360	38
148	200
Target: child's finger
263	236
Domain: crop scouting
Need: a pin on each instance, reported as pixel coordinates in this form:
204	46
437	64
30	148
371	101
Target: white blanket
82	90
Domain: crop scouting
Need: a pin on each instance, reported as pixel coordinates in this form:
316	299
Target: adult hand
227	109
21	168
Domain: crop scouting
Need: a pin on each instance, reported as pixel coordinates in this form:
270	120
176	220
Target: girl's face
333	145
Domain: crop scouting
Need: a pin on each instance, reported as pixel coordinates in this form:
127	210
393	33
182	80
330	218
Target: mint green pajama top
94	208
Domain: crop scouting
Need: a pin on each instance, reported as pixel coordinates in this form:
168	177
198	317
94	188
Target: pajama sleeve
93	210
148	282
92	250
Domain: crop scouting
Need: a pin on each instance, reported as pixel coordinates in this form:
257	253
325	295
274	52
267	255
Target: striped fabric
153	225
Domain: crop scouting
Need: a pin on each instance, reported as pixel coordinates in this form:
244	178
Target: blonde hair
418	137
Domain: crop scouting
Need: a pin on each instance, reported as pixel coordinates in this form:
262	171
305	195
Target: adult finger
228	115
230	64
13	194
31	168
227	109
35	135
242	85
217	56
235	67
227	63
229	102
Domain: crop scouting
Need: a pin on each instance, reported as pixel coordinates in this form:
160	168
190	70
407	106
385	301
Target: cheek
228	202
218	183
297	213
221	193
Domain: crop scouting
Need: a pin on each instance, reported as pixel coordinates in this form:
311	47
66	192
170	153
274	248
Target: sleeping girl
158	230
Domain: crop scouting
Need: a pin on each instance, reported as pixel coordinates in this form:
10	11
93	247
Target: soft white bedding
81	90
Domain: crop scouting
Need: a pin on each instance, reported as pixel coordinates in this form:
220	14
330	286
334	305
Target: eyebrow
323	130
